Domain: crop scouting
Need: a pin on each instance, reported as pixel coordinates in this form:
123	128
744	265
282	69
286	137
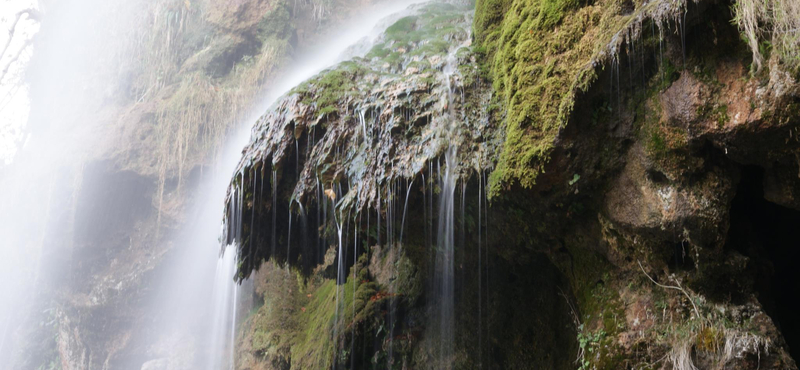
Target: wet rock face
782	183
639	204
637	198
347	133
670	212
365	142
645	201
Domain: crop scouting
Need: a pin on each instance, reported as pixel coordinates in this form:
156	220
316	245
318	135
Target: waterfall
223	298
192	298
480	281
445	287
183	308
445	251
356	41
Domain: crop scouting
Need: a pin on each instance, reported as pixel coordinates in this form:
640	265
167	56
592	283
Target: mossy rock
539	56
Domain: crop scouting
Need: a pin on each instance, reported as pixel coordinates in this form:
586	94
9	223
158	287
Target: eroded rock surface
636	159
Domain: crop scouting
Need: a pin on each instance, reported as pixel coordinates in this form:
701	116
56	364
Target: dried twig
678	287
575	320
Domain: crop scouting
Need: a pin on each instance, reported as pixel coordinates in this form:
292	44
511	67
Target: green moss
589	269
469	74
488	17
715	112
320	335
314	347
408	42
300	323
436	46
709	339
401	28
277	23
603	319
533	69
378	51
426	34
661	142
721	115
539	54
668	74
657	144
327	90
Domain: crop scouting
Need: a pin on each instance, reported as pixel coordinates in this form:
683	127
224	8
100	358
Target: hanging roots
770	22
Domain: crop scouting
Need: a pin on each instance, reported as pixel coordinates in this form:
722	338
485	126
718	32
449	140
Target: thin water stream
354	41
191	303
445	245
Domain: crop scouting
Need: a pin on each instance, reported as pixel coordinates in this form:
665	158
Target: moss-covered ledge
343	138
540	55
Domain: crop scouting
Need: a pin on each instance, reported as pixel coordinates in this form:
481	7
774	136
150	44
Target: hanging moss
277	23
297	324
539	55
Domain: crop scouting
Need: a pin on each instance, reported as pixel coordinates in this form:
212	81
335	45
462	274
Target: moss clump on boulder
539	56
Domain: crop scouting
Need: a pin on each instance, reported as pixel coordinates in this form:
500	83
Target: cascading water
445	282
189	302
93	277
224	300
356	165
445	250
354	42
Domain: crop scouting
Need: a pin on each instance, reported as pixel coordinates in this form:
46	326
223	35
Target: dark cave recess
769	235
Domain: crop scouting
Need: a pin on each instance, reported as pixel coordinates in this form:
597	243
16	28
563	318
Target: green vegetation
531	66
710	331
603	319
195	75
536	57
721	115
589	342
668	74
298	324
276	24
770	24
539	55
424	35
671	320
328	90
313	344
401	28
410	43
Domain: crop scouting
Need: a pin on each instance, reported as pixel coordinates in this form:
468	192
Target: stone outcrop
642	179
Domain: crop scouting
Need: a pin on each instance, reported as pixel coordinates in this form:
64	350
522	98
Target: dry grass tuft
680	356
193	109
770	22
708	334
